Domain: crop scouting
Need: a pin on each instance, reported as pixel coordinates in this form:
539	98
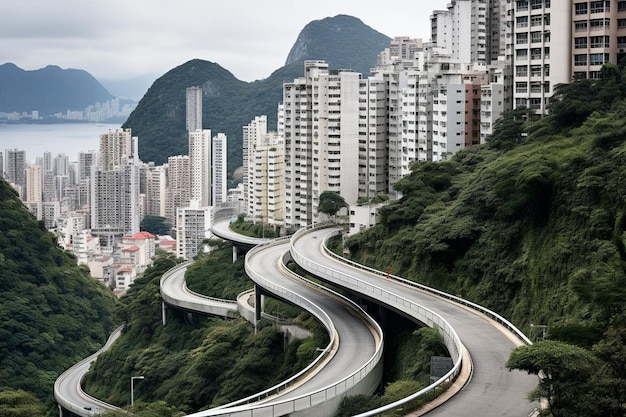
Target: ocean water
67	138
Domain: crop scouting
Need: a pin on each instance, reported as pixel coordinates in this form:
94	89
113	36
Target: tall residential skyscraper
542	52
193	226
194	109
116	148
34	192
219	177
85	161
200	166
15	167
321	140
115	201
178	191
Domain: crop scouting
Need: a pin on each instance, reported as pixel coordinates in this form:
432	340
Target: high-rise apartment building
15	167
116	148
178	191
542	55
321	140
200	166
85	161
115	202
219	176
193	226
156	191
598	36
194	109
265	173
252	134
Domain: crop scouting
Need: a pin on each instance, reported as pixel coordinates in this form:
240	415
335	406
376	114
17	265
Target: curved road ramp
478	340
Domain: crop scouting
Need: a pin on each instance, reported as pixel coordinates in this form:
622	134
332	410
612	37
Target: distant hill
49	90
343	41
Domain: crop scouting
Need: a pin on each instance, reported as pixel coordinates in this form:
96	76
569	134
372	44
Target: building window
535	53
522	5
621	6
537	4
597	24
581	26
581	8
536	70
621	41
621	23
535	21
521	54
521	38
580	43
599	41
521	21
535	37
535	103
598	59
597	7
521	87
580	60
521	70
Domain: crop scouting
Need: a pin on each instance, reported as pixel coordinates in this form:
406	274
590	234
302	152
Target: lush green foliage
20	404
53	313
229	104
156	225
408	372
531	226
253	229
330	203
574	381
192	362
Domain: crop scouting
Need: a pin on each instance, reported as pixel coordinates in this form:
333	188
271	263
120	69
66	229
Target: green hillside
229	104
52	313
532	227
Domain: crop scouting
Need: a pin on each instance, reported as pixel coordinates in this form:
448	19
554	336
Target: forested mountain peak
229	104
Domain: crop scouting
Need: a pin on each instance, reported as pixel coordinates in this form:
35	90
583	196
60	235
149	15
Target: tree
567	376
330	203
156	225
20	403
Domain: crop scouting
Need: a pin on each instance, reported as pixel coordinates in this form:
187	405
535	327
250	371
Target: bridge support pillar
234	253
258	303
163	314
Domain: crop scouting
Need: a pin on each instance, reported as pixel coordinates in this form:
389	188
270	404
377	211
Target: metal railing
338	389
426	316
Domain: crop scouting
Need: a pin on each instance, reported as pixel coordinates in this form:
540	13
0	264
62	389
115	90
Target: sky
123	39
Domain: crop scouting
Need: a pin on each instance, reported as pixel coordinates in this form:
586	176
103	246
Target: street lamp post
132	389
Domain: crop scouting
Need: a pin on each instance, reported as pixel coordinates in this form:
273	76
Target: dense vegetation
531	225
229	104
193	363
53	313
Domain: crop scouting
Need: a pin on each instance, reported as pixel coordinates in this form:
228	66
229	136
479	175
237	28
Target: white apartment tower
116	148
321	140
252	134
193	226
219	177
156	190
200	166
542	54
194	109
178	189
265	173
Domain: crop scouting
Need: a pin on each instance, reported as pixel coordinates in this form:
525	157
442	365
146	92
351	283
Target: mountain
53	313
229	104
130	89
49	90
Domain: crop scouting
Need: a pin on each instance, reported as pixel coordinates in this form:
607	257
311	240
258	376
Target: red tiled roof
131	249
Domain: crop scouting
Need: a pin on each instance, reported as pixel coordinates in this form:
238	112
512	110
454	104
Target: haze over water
67	138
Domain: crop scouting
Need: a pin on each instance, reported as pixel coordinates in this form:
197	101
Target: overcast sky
121	39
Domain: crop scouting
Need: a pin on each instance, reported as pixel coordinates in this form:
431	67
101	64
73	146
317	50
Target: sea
57	138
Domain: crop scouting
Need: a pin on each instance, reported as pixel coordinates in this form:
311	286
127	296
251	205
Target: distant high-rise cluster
337	130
